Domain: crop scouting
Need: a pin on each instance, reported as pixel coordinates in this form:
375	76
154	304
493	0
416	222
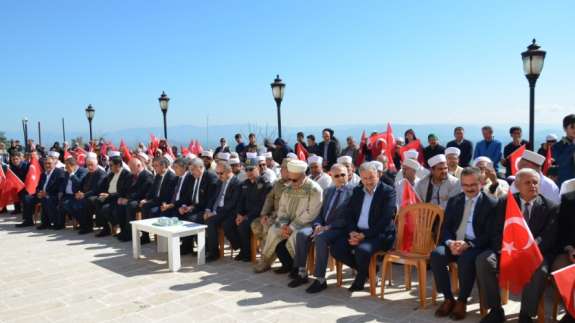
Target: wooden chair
427	219
255	244
372	272
310	264
222	242
37	212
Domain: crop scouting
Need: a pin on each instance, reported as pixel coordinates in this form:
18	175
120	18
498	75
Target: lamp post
39	134
25	129
533	59
278	88
163	99
90	115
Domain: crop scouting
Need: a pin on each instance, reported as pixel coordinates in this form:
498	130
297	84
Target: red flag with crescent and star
33	176
520	255
565	282
514	158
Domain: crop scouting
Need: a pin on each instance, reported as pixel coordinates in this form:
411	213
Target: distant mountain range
181	135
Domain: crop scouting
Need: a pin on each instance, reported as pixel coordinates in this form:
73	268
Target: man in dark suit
464	236
182	189
83	206
195	202
20	167
328	226
465	146
329	149
70	185
116	184
221	206
46	194
161	192
128	203
370	227
540	215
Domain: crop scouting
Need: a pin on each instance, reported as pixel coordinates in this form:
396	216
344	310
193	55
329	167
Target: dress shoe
239	257
85	231
103	233
567	318
445	308
298	282
144	239
525	318
58	227
24	224
282	270
294	273
496	315
459	311
316	287
356	286
123	237
42	227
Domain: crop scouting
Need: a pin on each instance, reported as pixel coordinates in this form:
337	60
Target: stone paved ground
59	276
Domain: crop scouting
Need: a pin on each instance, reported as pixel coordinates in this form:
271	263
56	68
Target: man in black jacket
182	189
70	185
540	215
20	167
116	184
464	236
84	205
370	226
465	146
328	149
195	201
127	206
221	206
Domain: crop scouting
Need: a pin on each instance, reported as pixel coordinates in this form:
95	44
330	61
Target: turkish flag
154	143
67	154
11	186
104	149
195	148
390	147
80	156
33	175
548	161
514	159
362	147
184	150
125	151
520	255
301	152
565	281
377	144
409	197
413	145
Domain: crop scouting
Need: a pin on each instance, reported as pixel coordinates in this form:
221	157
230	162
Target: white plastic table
169	239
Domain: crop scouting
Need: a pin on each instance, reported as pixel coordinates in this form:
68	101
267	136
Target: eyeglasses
293	180
339	175
249	169
220	173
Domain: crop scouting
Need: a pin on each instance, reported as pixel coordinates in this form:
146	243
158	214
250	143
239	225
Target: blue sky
344	62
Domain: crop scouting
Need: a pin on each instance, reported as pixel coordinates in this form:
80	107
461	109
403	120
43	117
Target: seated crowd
332	201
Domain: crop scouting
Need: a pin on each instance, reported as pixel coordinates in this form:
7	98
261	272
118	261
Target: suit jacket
76	180
333	150
542	223
122	186
337	219
140	187
186	190
54	183
231	199
566	221
166	186
93	183
207	187
482	218
20	170
381	212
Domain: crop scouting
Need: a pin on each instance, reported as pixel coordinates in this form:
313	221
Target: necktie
460	235
331	211
195	197
526	211
221	194
177	191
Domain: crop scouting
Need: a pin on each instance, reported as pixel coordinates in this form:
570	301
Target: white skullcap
411	163
261	158
53	154
223	156
269	155
191	156
481	159
234	161
314	159
550	137
344	160
436	160
297	166
399	139
207	153
410	154
251	155
143	156
291	155
452	150
114	153
169	158
533	157
378	165
91	155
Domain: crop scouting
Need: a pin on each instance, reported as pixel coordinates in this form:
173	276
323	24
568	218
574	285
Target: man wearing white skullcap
421	172
316	172
291	155
452	155
547	187
439	185
267	173
223	156
353	179
271	163
207	157
299	204
56	156
409	168
491	185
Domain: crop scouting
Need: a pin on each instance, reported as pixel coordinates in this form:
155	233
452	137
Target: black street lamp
90	115
278	88
533	59
25	129
164	106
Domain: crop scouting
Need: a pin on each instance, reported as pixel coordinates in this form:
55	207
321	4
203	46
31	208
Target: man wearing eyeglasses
252	197
299	206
